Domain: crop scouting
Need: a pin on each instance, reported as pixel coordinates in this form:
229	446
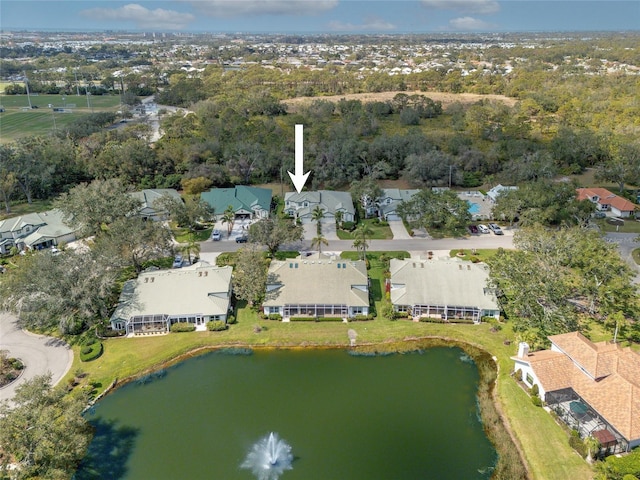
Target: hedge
315	319
182	327
274	316
439	320
216	326
91	352
361	318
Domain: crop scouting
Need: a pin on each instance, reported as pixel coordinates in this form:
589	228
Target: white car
483	229
216	235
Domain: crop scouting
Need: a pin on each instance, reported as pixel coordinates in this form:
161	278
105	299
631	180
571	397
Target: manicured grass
481	254
630	226
182	235
378	232
42	101
23	208
636	255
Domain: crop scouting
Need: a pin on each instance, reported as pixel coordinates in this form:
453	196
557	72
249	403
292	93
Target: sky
322	16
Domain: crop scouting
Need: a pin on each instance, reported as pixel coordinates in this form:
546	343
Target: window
357	310
529	379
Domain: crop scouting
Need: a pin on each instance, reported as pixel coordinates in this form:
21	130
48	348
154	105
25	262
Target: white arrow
298	178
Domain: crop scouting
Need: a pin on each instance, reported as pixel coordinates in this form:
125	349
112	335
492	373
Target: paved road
626	244
40	354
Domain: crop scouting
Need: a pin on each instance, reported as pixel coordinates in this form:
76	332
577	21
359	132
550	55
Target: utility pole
75	74
53	115
26	84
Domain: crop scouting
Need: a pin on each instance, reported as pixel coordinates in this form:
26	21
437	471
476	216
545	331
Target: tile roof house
318	285
301	205
148	198
34	231
157	299
387	204
608	202
595	387
246	201
498	190
448	289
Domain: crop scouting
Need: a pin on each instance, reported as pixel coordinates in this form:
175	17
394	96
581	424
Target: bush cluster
274	316
348	226
362	317
315	319
577	443
182	327
91	351
216	326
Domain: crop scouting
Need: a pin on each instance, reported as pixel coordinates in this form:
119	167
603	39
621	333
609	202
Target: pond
410	416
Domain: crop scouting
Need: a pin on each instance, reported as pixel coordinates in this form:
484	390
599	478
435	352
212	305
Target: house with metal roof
246	202
448	289
593	386
157	299
301	205
150	207
35	231
318	285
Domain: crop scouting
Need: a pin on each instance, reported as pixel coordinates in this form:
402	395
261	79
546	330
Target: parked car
216	235
496	229
242	239
177	261
599	214
483	229
473	229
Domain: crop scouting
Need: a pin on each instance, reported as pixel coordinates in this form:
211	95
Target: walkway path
399	230
40	354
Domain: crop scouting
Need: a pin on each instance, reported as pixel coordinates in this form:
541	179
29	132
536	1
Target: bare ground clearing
444	97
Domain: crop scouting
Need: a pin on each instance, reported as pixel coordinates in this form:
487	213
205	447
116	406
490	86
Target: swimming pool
473	207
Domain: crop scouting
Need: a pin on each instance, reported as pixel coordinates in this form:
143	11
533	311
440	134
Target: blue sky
328	16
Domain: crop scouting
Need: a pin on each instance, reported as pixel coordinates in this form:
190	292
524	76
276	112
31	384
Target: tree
188	214
623	166
87	207
8	181
250	274
429	169
367	191
229	217
44	432
361	234
442	212
318	242
190	247
273	232
317	215
593	445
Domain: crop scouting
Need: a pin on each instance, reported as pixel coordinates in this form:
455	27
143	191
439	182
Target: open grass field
378	232
16	122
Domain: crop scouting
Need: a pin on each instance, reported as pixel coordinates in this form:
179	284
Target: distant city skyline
322	16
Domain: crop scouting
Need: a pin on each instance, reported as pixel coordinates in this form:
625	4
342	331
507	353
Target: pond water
411	416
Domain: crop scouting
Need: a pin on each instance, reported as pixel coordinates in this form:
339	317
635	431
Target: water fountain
269	458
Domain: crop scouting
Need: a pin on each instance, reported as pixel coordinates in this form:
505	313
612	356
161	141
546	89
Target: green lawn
636	255
182	235
630	226
379	232
481	254
23	208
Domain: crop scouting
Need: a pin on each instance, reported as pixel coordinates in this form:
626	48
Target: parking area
328	230
399	231
240	228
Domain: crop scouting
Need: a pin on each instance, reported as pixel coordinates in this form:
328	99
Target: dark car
473	229
242	239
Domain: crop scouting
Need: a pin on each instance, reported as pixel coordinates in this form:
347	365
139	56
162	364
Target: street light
53	115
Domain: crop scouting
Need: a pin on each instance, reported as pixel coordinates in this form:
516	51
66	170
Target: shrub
302	319
275	316
180	327
348	226
536	401
534	390
216	326
227	258
577	443
361	317
231	319
518	375
625	465
90	352
285	254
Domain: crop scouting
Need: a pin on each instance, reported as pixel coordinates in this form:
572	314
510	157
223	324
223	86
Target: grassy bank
544	444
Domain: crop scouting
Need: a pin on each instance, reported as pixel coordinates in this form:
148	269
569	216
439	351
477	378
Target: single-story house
386	206
148	198
608	202
448	289
35	231
318	285
498	190
246	202
157	299
301	205
593	386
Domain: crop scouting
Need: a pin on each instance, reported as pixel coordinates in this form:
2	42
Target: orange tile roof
615	392
606	198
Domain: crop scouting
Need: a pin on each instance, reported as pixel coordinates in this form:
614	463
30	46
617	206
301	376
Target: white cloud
370	24
233	8
465	6
469	23
158	19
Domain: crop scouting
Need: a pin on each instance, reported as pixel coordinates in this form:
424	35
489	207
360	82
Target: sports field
18	120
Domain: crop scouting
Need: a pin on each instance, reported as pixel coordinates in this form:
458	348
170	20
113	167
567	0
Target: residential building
593	387
449	289
34	231
608	202
498	190
301	205
157	299
246	202
386	206
151	209
318	285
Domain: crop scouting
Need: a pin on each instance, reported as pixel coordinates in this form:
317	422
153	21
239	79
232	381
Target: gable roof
605	375
329	200
605	197
149	196
17	223
317	279
48	224
240	197
499	189
441	282
199	289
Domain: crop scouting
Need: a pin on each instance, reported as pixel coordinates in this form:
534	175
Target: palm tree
361	234
317	215
593	445
339	217
190	247
318	242
229	217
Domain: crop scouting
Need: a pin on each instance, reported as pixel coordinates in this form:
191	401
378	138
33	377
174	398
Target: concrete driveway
40	354
399	231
